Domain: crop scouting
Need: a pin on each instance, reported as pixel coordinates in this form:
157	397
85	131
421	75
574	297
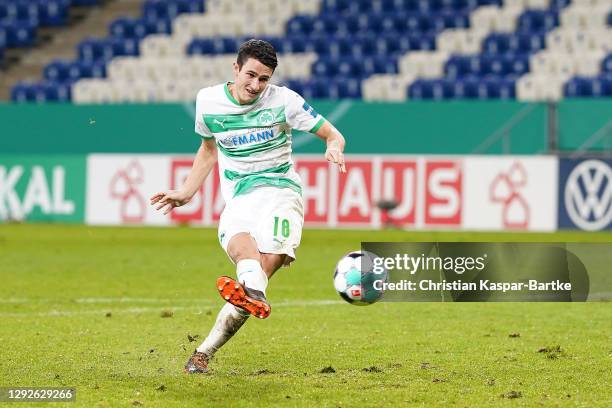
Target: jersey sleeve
300	115
200	127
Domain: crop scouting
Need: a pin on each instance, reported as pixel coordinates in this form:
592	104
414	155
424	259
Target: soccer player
245	126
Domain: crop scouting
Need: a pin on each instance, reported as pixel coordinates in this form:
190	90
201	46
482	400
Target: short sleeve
300	115
200	127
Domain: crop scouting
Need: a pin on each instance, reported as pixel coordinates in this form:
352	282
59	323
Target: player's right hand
168	200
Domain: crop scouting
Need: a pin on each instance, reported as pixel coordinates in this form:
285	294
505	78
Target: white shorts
273	216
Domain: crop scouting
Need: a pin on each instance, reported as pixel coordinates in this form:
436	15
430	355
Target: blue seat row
589	87
359	45
400	22
84	2
18	33
363	6
354	67
61	71
169	9
139	27
523	43
41	92
468	88
459	66
538	20
104	49
39	12
327	88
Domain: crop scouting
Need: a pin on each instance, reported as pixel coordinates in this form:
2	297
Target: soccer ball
354	278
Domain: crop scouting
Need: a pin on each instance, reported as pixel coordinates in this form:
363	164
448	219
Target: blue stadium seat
57	92
153	9
420	89
85	2
538	21
215	45
457	66
226	45
339	46
124	28
325	66
317	88
296	85
19	11
22	92
483	65
296	43
139	27
19	33
589	87
125	46
54	12
606	64
200	46
300	25
348	88
518	43
326	24
169	9
57	71
575	87
363	45
94	50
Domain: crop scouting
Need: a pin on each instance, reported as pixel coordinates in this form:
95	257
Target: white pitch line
135	310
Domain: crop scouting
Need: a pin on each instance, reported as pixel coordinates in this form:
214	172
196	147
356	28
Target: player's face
251	80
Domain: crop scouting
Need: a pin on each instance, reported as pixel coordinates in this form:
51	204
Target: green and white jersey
254	140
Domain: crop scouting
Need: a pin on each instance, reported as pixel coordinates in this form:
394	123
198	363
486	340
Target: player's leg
244	252
249	291
231	318
277	228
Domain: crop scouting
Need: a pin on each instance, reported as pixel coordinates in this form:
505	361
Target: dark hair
260	50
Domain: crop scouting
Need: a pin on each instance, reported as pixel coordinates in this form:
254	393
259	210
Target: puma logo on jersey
220	123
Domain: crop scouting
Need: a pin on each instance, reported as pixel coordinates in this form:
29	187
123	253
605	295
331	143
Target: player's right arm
204	161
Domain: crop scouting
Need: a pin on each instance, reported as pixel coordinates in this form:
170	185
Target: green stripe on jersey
249	183
280	140
317	126
234	175
262	118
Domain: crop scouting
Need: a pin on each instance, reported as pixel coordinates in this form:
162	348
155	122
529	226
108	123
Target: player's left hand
334	154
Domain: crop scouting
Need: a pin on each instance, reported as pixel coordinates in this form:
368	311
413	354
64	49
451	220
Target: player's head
253	69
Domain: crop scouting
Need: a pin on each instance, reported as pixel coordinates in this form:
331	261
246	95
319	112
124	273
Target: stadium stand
60	26
531	50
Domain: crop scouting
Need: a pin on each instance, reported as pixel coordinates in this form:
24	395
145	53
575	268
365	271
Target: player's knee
243	246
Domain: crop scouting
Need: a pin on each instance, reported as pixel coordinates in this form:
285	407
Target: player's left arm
335	144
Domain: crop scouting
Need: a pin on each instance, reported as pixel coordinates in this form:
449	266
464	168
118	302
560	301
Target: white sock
229	320
251	275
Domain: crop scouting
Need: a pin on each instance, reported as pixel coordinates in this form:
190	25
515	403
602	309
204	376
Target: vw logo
588	195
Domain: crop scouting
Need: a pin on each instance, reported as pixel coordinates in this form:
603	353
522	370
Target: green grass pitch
109	311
